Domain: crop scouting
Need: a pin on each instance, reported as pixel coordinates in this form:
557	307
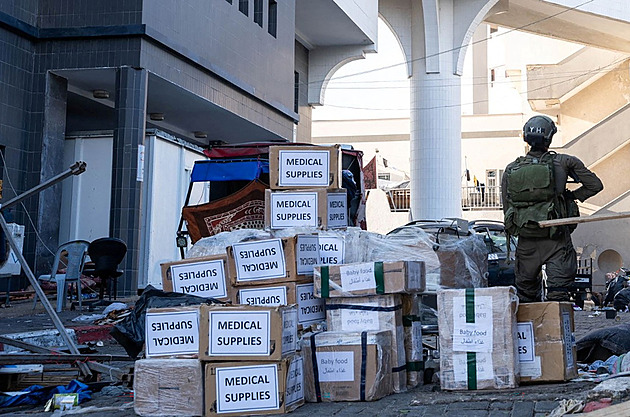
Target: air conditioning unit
12	265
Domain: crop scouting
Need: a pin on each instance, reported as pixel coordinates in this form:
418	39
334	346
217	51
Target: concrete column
126	202
435	114
481	94
53	138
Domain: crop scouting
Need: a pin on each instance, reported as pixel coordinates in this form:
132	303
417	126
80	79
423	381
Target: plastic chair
107	253
76	251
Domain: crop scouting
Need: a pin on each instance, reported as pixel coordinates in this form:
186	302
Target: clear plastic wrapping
478	338
215	245
342	360
168	387
378	312
453	263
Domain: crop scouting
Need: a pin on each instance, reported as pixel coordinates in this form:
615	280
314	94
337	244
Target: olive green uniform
557	254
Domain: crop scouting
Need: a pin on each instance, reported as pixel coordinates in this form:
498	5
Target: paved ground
424	401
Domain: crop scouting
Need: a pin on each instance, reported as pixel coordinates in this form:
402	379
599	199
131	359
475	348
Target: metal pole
40	293
76	169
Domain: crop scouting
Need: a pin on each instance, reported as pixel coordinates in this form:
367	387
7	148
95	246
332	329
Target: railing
481	198
399	199
473	198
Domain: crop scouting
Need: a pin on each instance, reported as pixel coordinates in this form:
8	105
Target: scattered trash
114	307
570	406
88	317
114	316
597	405
62	402
603	343
611	388
36	394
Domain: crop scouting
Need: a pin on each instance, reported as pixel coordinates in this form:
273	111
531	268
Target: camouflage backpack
532	197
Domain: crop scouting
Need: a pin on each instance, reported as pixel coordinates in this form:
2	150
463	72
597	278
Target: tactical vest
532	197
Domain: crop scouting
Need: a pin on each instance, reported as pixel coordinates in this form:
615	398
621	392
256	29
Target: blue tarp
228	170
36	394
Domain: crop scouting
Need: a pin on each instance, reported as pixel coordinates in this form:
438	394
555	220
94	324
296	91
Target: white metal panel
86	198
167	177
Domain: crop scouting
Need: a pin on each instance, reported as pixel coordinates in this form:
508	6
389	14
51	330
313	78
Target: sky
385	90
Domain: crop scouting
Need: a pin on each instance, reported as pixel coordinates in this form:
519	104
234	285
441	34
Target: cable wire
457	48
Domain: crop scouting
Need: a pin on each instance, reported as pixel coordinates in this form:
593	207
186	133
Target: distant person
533	190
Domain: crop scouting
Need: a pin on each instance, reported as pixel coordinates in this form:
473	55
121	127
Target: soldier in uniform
524	204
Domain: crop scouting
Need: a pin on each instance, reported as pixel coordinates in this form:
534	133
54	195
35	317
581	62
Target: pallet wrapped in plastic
412	326
377	312
478	338
168	387
347	366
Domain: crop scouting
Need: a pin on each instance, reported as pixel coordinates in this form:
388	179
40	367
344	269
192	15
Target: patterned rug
244	209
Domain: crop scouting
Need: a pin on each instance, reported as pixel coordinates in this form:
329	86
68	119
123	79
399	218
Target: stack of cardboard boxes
366	299
244	361
489	341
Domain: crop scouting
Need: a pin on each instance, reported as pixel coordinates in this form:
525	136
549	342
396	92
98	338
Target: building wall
221	38
81	13
25	10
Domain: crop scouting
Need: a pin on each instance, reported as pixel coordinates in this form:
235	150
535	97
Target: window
243	7
384	176
272	25
229	1
258	12
296	92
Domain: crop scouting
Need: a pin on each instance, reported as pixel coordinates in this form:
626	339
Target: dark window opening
258	12
296	92
229	1
243	7
272	26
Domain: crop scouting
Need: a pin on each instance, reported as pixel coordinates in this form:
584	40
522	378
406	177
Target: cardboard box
336	364
243	332
547	352
260	262
477	333
304	167
172	332
376	312
254	388
412	323
310	308
369	278
168	387
204	277
318	249
326	209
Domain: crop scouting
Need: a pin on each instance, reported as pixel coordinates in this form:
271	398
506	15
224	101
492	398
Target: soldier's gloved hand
568	195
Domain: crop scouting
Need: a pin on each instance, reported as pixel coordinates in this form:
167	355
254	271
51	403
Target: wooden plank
617	410
108	370
584	219
24	345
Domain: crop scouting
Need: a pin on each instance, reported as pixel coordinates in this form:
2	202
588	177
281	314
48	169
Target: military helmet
539	130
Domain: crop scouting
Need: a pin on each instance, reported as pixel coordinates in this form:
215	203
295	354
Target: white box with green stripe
369	278
478	340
